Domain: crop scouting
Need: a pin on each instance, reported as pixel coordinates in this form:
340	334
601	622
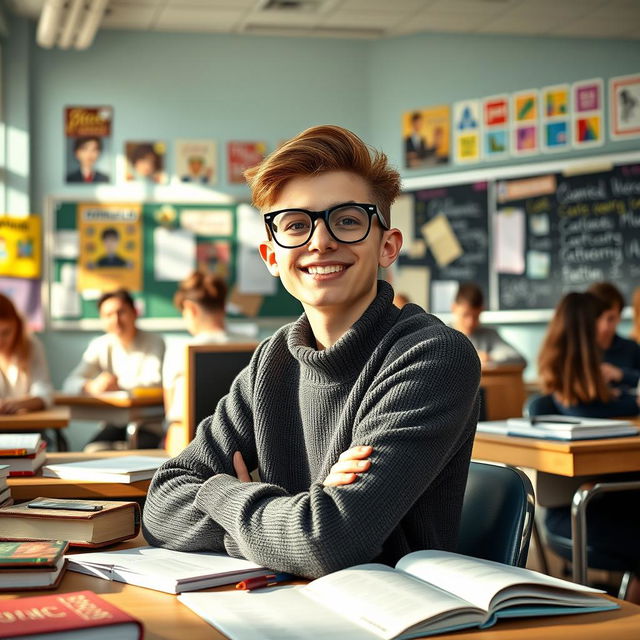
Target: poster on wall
495	127
242	156
525	113
110	247
466	131
555	128
145	162
196	161
624	113
20	247
426	134
88	158
588	124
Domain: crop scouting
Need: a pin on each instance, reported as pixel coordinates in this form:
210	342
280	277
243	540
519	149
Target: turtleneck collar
344	360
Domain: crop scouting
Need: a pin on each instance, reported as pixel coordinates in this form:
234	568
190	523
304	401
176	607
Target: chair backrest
497	514
210	370
540	405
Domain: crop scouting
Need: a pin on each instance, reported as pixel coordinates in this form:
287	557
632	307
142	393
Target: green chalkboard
217	249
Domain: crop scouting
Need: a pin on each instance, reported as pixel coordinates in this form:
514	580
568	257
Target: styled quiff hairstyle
569	359
320	150
21	346
208	291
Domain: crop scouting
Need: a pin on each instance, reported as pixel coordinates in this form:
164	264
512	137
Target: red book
66	613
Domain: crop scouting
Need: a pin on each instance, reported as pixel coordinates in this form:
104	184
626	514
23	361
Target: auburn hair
205	289
21	346
635	329
319	150
569	359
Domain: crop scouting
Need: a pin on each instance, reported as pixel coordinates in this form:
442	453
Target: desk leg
61	441
132	434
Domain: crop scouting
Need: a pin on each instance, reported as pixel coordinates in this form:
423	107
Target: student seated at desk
492	349
569	369
360	416
621	366
124	358
24	376
201	299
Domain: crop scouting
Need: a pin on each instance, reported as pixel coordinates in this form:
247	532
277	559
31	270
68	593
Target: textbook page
488	584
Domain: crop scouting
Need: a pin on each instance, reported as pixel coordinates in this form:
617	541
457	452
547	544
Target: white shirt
139	365
35	382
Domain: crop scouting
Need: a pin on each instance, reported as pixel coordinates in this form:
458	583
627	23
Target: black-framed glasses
348	222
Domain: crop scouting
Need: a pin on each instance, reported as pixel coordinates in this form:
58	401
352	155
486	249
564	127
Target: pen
263	581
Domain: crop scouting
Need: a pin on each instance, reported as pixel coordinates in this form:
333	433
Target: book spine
4	453
13	474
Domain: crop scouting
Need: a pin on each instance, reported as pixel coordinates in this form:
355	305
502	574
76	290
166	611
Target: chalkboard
466	208
575	230
216	245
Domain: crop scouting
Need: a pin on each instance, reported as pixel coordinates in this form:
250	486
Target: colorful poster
495	127
20	247
555	128
110	246
196	161
88	144
426	136
525	114
145	162
25	294
466	131
242	156
624	113
588	115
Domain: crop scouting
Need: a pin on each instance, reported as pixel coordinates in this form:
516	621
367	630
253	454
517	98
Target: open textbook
428	592
164	569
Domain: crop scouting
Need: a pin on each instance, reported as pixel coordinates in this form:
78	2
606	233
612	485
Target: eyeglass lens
348	224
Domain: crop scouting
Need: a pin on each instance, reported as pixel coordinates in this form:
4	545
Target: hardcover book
125	469
72	520
31	565
81	614
24	461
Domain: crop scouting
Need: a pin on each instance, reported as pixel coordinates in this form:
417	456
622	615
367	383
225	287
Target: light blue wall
233	87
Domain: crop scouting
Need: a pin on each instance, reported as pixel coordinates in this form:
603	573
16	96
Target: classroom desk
568	459
504	394
165	618
116	408
56	418
29	487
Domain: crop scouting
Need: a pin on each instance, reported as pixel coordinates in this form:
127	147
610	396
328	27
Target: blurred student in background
570	362
491	348
123	358
635	329
201	299
24	376
621	357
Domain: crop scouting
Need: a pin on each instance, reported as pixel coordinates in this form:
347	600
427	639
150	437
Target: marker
260	582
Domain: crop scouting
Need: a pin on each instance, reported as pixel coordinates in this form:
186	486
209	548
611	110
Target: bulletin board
148	247
525	234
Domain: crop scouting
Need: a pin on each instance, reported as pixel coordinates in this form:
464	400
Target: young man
491	348
87	150
621	366
359	416
124	358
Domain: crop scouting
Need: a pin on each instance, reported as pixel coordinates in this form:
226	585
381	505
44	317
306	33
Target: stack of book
31	565
5	489
121	469
23	453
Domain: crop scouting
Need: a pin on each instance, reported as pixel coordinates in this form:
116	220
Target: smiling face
118	318
325	274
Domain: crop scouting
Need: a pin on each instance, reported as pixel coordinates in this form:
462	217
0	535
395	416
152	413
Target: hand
240	468
350	463
610	373
105	381
11	407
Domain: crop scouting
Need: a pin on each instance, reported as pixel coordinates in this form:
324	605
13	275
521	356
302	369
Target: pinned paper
417	249
538	265
175	254
66	244
213	222
443	293
508	241
414	283
402	214
442	240
253	277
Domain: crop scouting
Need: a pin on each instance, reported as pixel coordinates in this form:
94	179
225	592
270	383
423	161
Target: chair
497	514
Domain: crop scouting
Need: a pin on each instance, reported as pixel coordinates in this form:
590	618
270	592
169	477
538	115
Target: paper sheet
508	241
253	277
65	301
402	213
66	243
417	249
443	293
414	283
442	240
175	254
216	222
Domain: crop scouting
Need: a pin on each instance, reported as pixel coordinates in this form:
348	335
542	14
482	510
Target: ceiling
370	18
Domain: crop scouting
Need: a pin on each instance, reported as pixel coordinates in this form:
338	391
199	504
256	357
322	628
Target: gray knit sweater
398	380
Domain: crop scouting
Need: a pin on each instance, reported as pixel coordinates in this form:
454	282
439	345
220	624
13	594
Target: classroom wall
167	86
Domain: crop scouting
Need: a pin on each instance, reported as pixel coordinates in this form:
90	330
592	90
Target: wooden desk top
54	418
501	369
29	487
579	458
121	399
